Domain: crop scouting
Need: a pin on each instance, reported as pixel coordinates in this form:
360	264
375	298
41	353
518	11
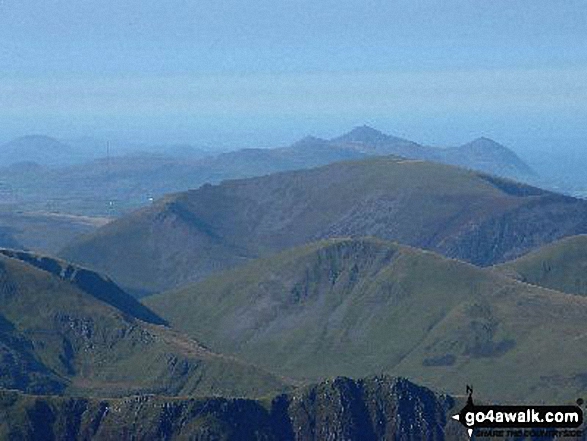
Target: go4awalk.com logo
521	421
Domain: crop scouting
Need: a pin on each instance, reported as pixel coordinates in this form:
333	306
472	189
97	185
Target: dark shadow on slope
90	282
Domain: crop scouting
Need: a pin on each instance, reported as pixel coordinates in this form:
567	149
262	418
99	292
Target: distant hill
186	236
36	148
482	154
363	306
128	181
67	330
369	136
370	141
120	184
488	156
561	266
373	409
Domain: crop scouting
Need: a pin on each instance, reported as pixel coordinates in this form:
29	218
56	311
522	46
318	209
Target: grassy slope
189	235
82	345
91	283
561	266
364	306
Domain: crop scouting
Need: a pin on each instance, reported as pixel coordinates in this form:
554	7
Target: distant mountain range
47	151
67	330
187	236
363	306
482	154
122	183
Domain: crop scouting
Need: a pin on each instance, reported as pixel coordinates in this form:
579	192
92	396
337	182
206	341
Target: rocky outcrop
381	408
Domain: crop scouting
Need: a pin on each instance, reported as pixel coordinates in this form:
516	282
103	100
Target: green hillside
561	266
358	307
380	408
64	330
92	283
186	236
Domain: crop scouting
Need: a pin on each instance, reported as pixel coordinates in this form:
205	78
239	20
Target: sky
264	73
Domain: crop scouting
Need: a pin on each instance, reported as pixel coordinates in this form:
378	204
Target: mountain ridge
100	287
56	337
380	408
481	154
357	307
129	181
186	236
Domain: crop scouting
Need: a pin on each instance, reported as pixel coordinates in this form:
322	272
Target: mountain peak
364	134
486	143
487	151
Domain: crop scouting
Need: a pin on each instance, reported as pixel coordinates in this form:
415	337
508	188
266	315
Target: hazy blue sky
267	72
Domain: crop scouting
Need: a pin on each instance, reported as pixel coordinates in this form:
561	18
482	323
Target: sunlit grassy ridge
358	307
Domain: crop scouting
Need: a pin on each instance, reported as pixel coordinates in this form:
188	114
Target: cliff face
381	408
375	409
